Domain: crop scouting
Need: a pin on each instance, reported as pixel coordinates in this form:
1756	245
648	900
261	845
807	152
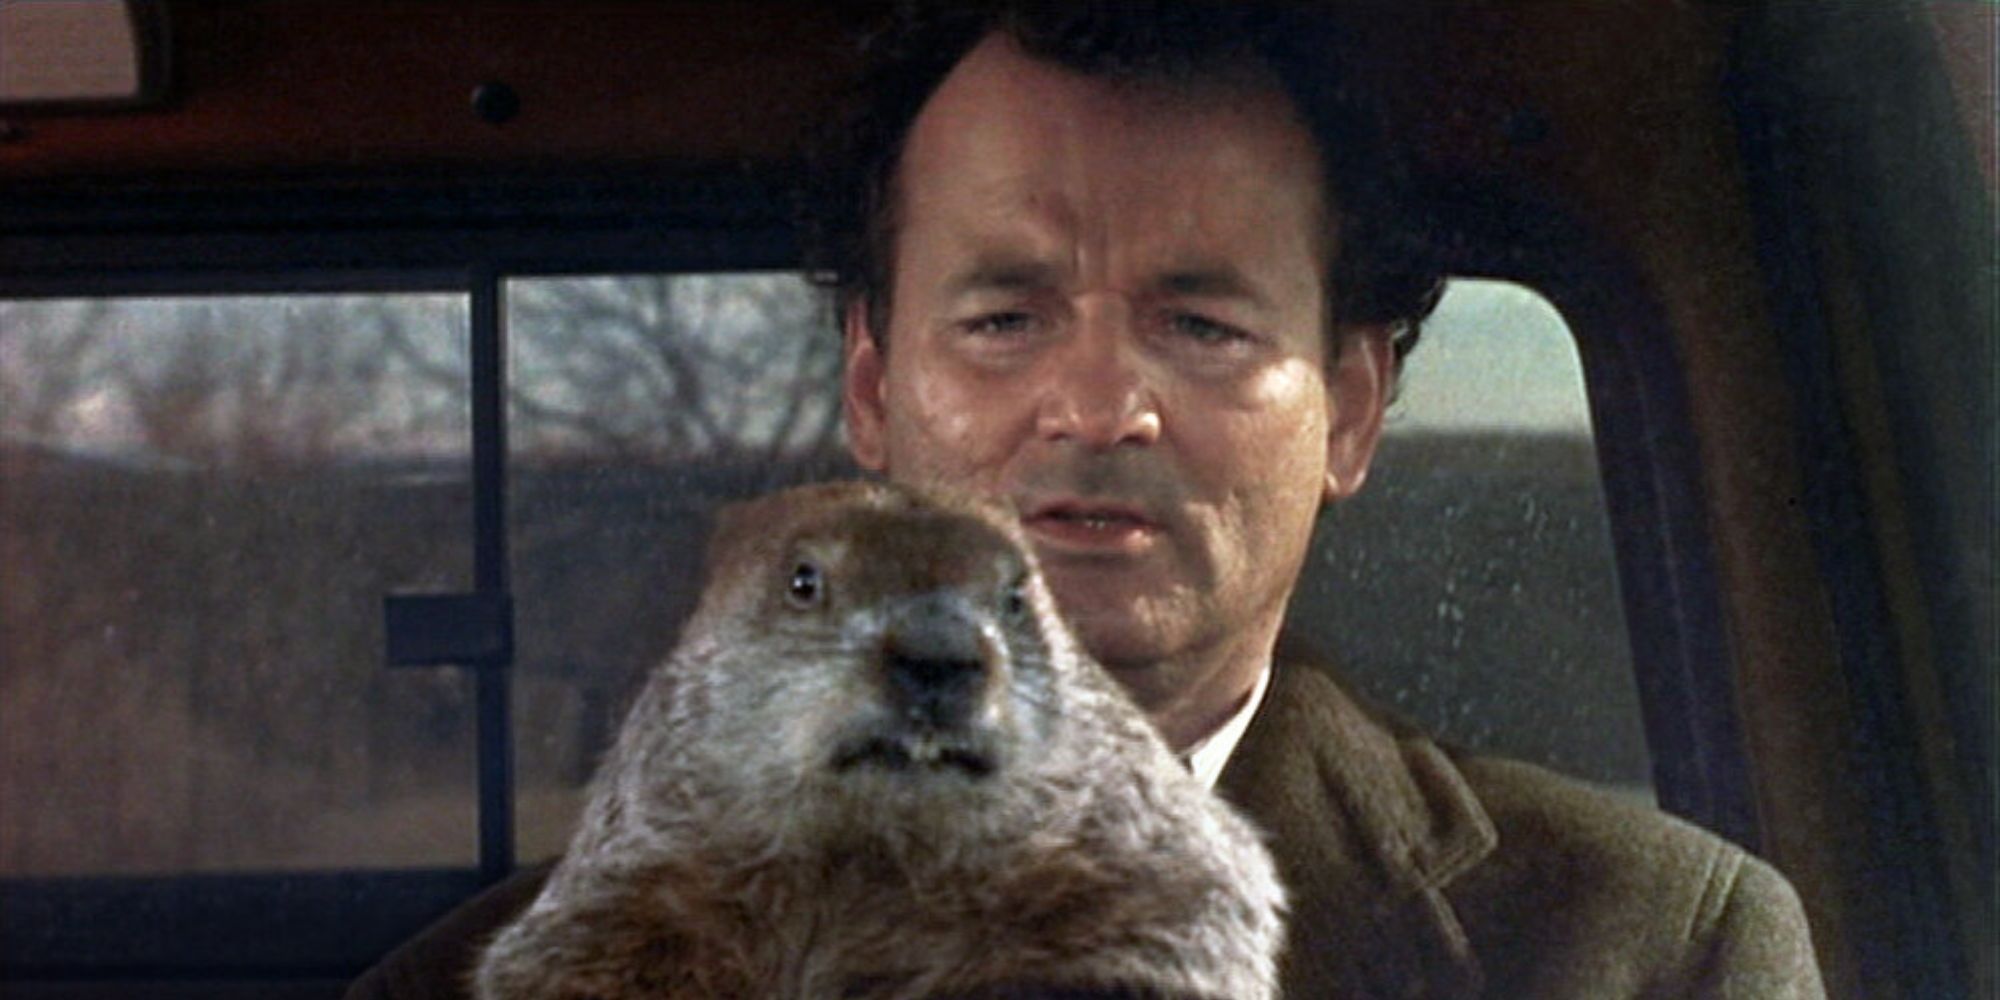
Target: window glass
203	501
636	407
1470	586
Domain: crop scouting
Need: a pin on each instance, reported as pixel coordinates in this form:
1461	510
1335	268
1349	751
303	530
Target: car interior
370	373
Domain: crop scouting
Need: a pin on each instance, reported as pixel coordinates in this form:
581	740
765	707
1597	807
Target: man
1134	271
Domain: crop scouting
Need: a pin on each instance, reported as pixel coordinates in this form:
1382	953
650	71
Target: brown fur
774	822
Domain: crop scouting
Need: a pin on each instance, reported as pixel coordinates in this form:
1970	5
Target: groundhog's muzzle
935	660
935	668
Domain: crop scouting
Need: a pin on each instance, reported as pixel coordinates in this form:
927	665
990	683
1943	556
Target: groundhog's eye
1015	601
806	588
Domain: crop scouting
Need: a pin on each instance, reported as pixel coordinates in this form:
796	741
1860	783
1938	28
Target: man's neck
1197	720
1190	697
1207	756
1200	707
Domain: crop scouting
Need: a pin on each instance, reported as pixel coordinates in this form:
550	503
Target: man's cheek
942	428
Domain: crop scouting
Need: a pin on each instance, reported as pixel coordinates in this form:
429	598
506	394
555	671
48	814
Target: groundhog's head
864	649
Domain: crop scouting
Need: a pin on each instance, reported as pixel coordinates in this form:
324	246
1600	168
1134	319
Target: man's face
1108	307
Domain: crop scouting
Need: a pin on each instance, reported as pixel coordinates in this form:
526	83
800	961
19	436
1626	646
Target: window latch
475	630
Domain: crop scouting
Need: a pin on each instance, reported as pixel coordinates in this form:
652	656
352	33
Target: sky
1495	356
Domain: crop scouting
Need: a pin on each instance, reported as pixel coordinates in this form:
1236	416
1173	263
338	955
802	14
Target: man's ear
861	387
1358	387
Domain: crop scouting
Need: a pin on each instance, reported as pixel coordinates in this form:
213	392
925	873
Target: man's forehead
1018	159
1001	266
998	97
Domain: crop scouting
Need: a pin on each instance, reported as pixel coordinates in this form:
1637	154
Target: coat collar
1369	825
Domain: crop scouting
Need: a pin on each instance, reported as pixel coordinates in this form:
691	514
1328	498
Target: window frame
439	233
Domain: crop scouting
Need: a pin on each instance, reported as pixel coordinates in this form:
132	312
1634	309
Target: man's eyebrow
1217	282
1010	273
1004	274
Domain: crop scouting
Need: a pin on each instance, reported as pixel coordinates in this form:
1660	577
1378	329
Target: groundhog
878	765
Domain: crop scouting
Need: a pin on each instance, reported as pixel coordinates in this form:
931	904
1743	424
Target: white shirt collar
1211	753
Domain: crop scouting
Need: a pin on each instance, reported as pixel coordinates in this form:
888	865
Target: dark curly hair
848	197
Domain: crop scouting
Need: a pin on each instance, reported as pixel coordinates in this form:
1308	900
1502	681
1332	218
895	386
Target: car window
1470	587
637	405
203	501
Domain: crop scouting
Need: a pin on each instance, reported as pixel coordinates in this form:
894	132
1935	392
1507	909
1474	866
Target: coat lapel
1368	827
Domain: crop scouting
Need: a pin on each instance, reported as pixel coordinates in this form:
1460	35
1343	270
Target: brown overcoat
1417	873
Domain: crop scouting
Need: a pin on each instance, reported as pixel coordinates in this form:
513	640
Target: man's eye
999	324
1203	330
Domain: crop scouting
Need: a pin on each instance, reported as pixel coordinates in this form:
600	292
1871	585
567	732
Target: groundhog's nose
934	661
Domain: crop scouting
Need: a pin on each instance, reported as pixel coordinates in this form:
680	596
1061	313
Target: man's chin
1123	619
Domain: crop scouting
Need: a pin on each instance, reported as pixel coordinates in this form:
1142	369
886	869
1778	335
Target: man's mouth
1091	527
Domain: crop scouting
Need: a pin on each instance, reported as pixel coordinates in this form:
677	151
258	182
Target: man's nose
1099	393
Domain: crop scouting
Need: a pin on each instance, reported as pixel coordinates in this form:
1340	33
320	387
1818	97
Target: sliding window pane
203	501
638	405
1471	585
